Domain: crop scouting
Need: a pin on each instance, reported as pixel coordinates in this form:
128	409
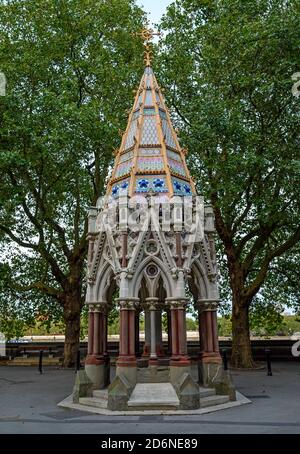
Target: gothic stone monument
142	248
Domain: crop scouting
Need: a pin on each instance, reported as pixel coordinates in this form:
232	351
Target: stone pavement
28	404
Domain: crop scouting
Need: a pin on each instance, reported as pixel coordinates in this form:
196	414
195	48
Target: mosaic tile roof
150	157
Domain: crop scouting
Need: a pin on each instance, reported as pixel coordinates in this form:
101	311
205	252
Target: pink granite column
127	356
137	333
104	346
178	325
96	342
90	332
95	335
169	332
146	350
208	328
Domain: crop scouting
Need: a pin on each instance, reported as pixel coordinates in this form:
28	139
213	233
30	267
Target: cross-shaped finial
147	35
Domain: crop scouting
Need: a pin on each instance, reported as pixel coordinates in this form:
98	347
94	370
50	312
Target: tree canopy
70	68
227	67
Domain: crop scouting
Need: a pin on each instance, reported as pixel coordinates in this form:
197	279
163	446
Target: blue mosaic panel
168	134
173	155
131	133
157	97
139	100
148	70
149	111
123	168
120	188
124	157
146	163
162	114
149	81
177	167
149	151
146	184
149	135
148	98
136	114
181	187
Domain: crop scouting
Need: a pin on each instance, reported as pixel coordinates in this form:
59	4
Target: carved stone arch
104	262
151	282
164	250
111	291
161	293
104	282
113	255
199	284
143	291
139	274
97	255
205	256
138	250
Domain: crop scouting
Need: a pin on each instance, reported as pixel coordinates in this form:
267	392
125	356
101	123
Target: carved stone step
206	392
211	401
101	394
153	395
93	402
153	375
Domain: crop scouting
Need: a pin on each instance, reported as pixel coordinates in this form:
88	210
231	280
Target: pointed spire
150	158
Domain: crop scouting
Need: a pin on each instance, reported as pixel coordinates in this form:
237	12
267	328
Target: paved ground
28	405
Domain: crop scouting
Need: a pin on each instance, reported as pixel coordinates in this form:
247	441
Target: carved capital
207	305
177	303
99	306
130	304
152	304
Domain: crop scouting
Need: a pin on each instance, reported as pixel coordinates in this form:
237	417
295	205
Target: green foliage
224	327
227	67
265	318
264	321
70	68
291	325
191	324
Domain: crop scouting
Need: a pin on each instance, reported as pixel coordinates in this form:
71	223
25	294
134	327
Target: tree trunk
241	355
72	310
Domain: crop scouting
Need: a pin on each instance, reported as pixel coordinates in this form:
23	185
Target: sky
156	8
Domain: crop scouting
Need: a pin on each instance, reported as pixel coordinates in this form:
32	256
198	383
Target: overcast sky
155	8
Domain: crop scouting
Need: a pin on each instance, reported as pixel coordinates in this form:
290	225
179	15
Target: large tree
227	67
70	68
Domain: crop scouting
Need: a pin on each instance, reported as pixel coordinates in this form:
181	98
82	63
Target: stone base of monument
209	402
153	374
212	375
156	390
97	373
188	392
83	386
156	396
119	392
186	387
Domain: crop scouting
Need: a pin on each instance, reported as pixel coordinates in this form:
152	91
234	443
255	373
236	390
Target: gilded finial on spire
147	35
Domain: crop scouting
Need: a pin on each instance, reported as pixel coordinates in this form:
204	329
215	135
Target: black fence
280	349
